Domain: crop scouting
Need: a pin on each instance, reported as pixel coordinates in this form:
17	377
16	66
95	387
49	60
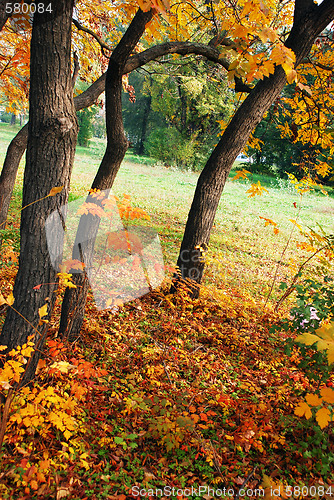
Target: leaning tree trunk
308	24
74	301
9	171
50	154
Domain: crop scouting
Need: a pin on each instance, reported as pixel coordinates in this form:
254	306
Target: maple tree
50	155
308	21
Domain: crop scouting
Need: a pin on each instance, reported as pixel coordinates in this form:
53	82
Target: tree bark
74	301
307	26
3	15
9	171
50	154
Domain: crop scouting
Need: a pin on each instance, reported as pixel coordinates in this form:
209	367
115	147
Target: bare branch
90	32
317	64
76	68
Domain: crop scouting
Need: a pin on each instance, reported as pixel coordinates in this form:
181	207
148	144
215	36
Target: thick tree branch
182	48
324	14
301	6
90	95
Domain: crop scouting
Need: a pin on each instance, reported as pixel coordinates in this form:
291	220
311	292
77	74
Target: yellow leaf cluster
323	415
324	340
256	190
13	368
241	174
65	279
44	408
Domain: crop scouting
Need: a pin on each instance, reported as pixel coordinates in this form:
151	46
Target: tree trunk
74	301
3	15
13	119
144	124
50	154
9	171
212	180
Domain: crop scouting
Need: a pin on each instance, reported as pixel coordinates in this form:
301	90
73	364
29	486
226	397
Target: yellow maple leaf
62	366
325	340
26	421
307	339
302	410
323	417
313	400
326	331
55	190
43	311
10	299
328	394
2	299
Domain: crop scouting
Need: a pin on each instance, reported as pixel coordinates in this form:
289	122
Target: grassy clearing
243	251
194	392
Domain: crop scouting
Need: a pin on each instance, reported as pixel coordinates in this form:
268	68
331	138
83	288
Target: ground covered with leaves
168	392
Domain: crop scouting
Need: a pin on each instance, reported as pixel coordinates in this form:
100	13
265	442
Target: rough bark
50	154
3	15
75	298
87	98
9	171
307	26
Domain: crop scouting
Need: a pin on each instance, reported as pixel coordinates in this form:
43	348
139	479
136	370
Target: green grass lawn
243	252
